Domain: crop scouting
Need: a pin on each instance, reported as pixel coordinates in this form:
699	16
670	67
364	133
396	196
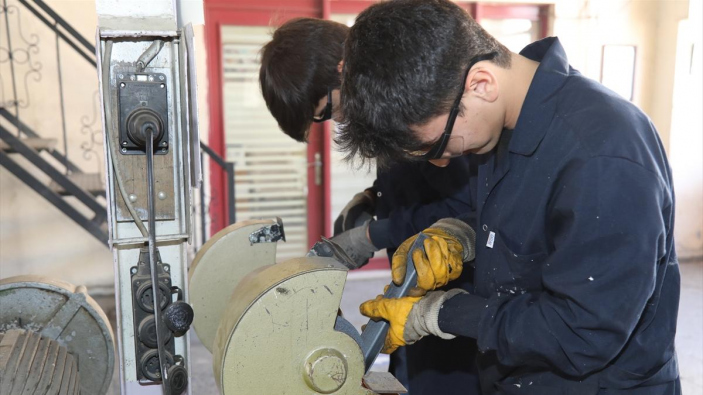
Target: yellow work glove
396	312
450	243
410	318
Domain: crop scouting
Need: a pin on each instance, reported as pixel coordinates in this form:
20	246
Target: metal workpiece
219	266
373	337
269	233
60	314
329	249
277	333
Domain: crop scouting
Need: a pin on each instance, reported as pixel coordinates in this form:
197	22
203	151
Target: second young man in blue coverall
300	79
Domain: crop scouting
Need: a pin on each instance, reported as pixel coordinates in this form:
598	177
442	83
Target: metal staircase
39	152
38	162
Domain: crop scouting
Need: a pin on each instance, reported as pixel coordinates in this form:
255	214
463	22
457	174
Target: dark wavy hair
403	65
297	67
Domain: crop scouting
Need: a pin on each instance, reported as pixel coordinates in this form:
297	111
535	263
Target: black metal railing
21	93
19	51
71	37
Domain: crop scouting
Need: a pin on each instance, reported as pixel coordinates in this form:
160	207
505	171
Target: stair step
38	144
90	182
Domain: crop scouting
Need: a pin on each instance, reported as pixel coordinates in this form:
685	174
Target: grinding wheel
63	323
217	268
277	334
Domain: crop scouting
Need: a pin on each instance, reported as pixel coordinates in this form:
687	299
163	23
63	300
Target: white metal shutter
270	167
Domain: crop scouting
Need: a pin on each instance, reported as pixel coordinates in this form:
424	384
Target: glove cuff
432	316
461	231
361	249
363	236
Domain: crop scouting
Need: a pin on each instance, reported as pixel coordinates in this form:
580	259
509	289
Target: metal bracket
145	93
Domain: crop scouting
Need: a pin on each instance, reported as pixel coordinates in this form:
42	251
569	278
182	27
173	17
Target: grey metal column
128	29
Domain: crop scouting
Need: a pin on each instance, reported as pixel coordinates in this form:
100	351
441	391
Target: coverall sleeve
608	235
404	222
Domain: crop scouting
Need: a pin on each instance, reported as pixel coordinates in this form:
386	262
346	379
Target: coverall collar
540	103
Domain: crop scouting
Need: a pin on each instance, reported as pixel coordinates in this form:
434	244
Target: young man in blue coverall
576	278
300	78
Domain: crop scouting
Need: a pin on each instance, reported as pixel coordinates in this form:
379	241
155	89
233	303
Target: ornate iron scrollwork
18	53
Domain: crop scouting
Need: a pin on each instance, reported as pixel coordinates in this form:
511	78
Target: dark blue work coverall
575	263
409	198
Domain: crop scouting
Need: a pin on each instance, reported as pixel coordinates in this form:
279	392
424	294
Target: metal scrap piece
383	383
268	234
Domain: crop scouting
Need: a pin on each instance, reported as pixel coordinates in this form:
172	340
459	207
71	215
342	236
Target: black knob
140	121
178	316
178	378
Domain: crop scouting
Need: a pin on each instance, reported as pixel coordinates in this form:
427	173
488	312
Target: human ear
483	84
340	66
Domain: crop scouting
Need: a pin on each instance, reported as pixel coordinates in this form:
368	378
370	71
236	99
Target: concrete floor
363	286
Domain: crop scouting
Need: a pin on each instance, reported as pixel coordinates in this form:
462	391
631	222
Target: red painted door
274	175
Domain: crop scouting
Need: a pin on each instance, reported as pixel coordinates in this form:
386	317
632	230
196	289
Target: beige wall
686	142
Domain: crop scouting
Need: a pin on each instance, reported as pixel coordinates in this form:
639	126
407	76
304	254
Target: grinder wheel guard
277	334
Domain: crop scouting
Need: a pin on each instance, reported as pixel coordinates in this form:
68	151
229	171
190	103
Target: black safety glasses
327	112
437	149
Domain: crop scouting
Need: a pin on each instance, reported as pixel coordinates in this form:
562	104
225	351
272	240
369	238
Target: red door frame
533	12
258	13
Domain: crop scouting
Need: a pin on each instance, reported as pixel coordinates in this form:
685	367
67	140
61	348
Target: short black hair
297	67
403	65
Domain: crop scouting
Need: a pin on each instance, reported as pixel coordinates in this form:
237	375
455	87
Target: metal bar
203	222
63	107
99	219
156	291
192	106
24	128
51	171
230	193
52	197
60	33
217	158
374	335
182	69
12	64
30	133
108	34
179	237
82	40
